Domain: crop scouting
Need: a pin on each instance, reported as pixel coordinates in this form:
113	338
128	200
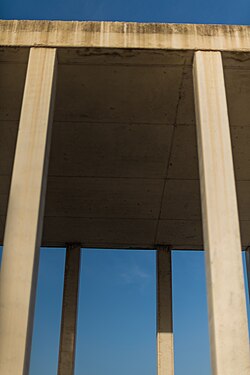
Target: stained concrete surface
123	167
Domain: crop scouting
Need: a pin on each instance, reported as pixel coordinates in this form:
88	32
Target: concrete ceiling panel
104	56
243	194
124	122
4	193
8	136
110	150
244	229
240	60
184	158
180	233
181	200
237	82
186	112
240	137
12	78
14	55
100	232
103	197
103	93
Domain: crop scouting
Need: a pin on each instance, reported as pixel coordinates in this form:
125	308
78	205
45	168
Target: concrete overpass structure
123	135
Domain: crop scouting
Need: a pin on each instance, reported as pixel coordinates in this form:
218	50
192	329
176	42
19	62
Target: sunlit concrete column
25	214
66	362
224	268
165	349
248	269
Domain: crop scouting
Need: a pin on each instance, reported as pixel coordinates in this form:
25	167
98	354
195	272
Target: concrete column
25	214
248	269
69	311
224	268
165	345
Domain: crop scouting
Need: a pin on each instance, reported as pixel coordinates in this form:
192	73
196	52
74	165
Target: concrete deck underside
123	167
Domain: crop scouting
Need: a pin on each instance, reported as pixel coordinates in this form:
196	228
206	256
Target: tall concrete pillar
248	269
66	362
25	214
165	344
224	269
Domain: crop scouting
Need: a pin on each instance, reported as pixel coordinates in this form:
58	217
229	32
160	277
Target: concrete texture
25	214
124	150
165	341
66	362
124	35
225	285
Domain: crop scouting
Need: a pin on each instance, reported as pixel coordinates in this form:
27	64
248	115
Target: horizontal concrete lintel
124	35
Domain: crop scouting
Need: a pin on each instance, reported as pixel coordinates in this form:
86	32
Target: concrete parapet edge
24	33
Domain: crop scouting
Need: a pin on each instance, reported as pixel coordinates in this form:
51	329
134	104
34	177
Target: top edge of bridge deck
25	33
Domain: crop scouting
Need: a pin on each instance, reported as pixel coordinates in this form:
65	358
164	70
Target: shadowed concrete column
248	269
69	311
25	214
165	349
225	284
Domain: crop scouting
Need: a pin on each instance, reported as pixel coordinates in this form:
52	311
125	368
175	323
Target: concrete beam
25	214
69	311
165	345
124	35
225	284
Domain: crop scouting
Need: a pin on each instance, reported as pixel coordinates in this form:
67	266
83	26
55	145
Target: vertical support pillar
165	349
66	362
224	269
25	214
248	269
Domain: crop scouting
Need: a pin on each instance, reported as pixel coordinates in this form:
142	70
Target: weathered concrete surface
165	341
124	35
225	284
123	169
66	362
25	215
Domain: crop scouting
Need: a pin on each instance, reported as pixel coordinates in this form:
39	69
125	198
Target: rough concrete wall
124	35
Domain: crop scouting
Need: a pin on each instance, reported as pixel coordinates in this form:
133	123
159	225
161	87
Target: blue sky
192	11
117	311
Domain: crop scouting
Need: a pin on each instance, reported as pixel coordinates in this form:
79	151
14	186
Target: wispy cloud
135	275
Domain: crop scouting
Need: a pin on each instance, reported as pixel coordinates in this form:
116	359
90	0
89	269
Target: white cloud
134	274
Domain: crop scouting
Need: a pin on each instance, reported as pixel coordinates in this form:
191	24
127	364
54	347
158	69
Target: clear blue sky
117	316
181	11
